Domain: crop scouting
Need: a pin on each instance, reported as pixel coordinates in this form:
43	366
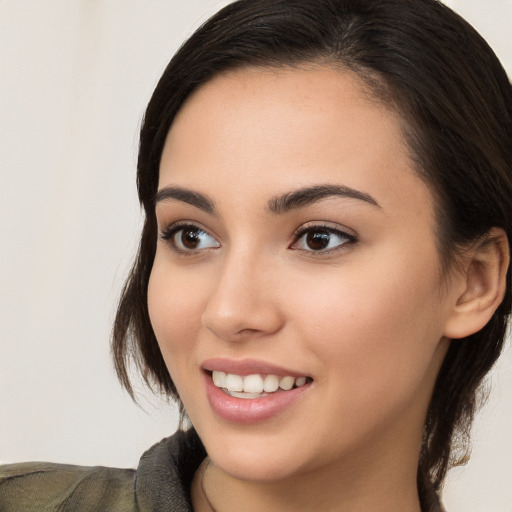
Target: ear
483	283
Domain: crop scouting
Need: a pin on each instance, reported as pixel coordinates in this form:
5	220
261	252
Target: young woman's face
297	241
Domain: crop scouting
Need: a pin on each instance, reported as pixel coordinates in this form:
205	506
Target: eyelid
327	226
335	229
167	234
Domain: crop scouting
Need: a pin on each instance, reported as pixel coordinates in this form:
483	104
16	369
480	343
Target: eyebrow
186	196
278	205
308	195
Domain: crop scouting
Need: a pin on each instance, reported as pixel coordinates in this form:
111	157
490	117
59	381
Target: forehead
318	95
262	128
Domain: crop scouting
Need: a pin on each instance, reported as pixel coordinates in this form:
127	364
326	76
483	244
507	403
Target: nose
244	301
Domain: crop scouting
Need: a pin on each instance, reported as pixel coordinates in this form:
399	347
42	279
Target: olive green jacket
161	483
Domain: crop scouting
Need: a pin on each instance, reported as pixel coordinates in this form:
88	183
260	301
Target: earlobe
484	286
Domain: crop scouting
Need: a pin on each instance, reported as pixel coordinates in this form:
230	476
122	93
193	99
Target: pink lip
248	367
248	411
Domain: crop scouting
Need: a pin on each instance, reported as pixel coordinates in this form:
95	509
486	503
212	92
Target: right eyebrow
186	196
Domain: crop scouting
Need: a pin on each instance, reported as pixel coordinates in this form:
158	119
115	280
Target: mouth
250	391
255	385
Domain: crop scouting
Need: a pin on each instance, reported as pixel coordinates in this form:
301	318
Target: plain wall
75	76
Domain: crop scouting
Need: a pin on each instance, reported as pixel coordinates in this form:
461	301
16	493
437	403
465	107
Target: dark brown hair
420	58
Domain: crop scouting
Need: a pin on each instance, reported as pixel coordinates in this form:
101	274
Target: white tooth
246	395
253	383
234	382
300	381
219	379
286	383
271	383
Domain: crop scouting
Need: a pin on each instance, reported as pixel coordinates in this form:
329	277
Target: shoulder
45	487
161	482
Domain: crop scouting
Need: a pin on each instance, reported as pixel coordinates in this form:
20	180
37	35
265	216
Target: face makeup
295	289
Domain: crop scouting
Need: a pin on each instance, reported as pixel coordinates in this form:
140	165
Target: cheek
174	303
376	331
377	367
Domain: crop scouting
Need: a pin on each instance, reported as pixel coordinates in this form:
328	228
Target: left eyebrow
308	195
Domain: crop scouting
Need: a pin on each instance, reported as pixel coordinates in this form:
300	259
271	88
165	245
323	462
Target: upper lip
248	367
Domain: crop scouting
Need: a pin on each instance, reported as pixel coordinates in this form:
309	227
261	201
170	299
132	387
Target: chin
259	468
258	455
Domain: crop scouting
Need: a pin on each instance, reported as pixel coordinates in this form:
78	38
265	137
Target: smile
255	385
249	391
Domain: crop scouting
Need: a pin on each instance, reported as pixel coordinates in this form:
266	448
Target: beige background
74	79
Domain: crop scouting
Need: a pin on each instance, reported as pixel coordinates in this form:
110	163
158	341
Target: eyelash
323	228
168	234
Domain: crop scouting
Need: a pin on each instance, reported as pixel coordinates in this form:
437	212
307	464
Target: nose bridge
243	300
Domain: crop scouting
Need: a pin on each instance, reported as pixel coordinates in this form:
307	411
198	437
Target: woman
323	277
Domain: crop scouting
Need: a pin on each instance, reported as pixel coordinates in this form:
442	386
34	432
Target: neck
362	487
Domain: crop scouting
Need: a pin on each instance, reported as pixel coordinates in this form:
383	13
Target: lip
248	367
249	411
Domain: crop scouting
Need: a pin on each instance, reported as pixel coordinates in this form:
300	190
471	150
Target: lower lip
250	410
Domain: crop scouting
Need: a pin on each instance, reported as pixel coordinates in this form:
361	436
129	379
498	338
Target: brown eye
318	240
188	238
321	239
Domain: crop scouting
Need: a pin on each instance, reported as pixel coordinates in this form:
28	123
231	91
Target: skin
366	321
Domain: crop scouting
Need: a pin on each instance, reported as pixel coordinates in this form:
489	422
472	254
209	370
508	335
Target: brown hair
456	99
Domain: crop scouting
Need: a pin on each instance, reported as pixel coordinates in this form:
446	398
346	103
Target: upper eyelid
167	232
328	226
171	226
